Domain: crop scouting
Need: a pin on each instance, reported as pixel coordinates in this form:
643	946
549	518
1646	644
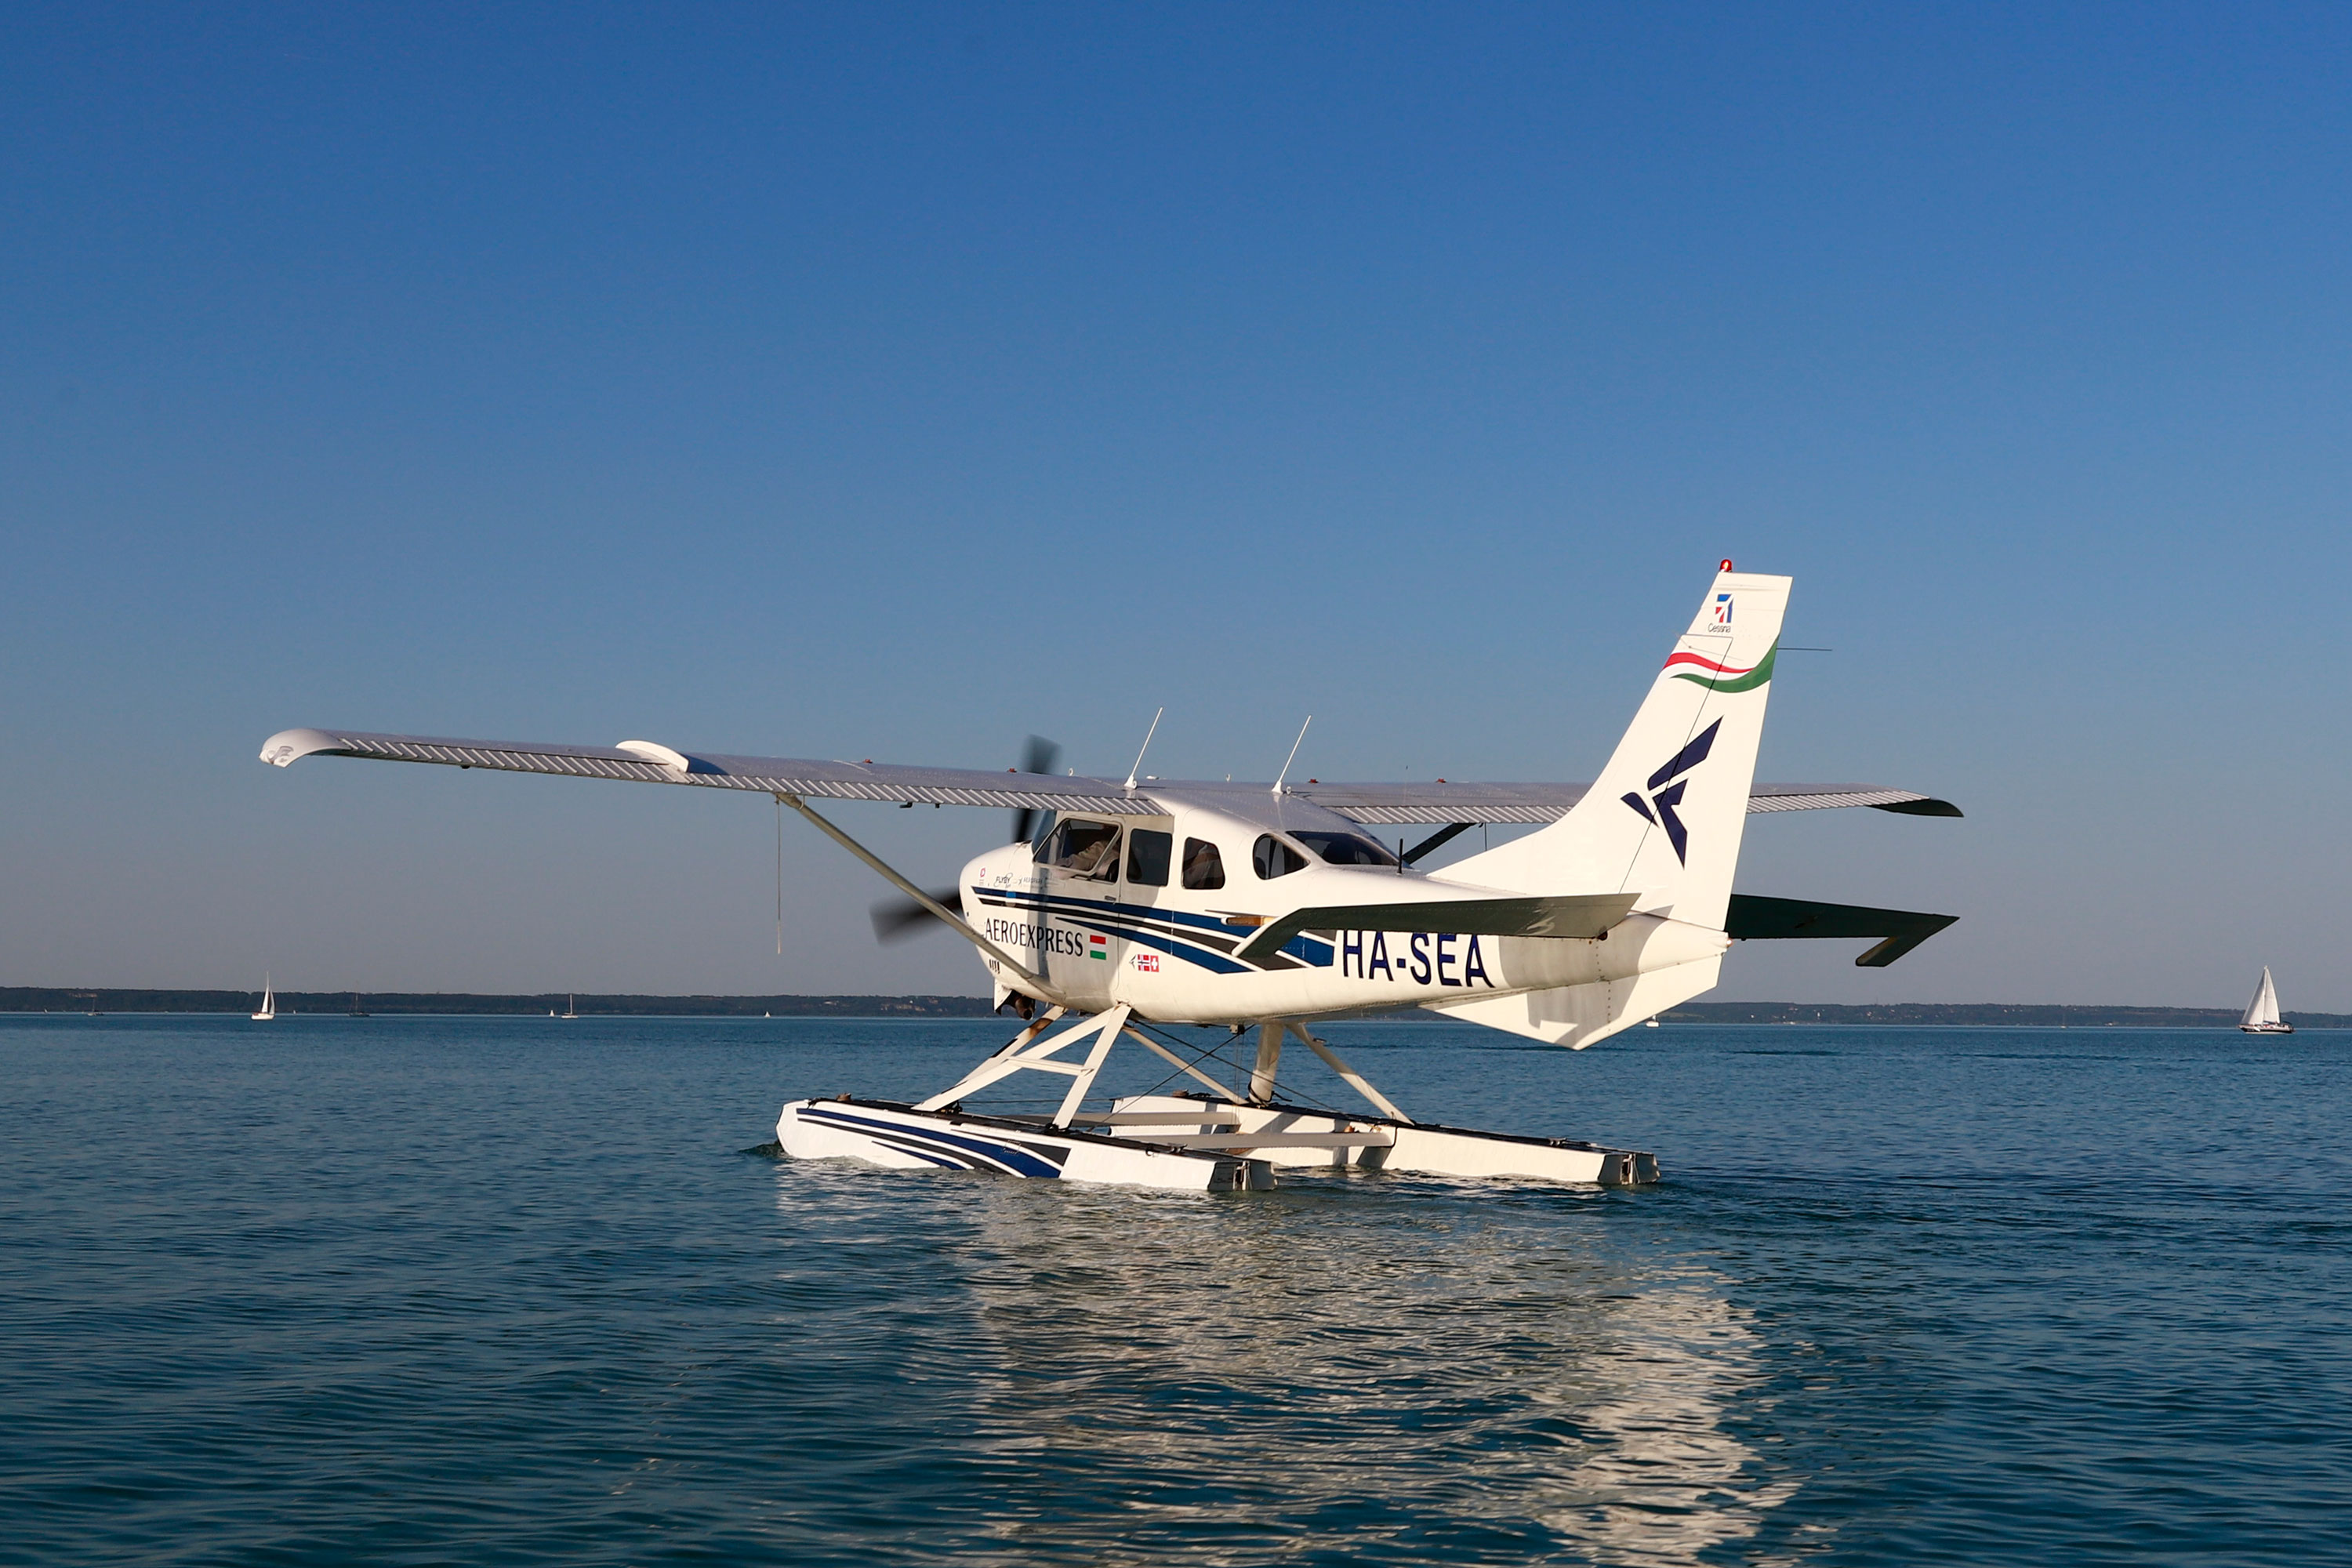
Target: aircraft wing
644	761
1439	801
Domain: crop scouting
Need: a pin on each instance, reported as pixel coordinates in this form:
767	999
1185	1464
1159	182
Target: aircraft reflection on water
1329	1372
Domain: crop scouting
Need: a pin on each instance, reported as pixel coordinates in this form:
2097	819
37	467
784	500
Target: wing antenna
1145	747
1294	755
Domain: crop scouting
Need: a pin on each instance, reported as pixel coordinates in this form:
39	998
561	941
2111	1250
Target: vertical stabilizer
1664	819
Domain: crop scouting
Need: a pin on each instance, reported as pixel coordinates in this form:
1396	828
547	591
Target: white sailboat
2262	1013
269	1002
571	1007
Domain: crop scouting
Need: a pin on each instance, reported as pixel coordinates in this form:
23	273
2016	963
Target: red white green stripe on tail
1726	676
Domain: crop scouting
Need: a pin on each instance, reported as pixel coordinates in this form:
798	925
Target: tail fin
1664	819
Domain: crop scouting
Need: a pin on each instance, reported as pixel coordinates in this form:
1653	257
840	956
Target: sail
2264	1008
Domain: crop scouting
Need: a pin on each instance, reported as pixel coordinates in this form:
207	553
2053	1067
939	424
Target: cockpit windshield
1347	849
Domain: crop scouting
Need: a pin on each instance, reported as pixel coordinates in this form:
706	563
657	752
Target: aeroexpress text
1040	939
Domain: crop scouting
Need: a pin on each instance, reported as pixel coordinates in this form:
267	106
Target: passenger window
1087	849
1272	857
1203	867
1347	849
1147	856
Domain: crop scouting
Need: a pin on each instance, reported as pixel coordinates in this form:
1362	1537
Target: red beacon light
1724	567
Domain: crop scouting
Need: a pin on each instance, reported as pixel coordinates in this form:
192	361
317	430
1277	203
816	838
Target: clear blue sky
893	382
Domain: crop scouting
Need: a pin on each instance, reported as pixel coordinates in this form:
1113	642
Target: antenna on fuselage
1146	746
1294	755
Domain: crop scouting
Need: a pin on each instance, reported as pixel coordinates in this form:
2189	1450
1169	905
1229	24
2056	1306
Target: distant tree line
50	999
2010	1015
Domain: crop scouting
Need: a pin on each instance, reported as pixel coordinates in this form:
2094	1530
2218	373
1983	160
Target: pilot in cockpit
1087	849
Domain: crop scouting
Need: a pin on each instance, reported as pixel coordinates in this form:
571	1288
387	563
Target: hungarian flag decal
1099	947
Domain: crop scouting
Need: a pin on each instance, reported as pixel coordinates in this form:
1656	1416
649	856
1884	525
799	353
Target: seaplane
1124	906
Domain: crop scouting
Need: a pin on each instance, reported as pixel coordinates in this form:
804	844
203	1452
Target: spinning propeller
1037	757
898	917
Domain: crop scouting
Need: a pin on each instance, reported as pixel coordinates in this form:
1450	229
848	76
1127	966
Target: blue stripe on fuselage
1128	921
1216	963
1059	903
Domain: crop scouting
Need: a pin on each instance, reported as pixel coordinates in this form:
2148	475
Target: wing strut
952	922
1444	836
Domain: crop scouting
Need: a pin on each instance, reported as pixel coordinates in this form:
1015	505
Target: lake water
407	1290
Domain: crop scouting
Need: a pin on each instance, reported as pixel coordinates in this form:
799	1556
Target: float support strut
1021	1055
1180	1064
1113	1024
1355	1079
1269	1057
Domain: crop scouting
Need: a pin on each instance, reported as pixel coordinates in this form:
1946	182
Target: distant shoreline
1998	1015
1885	1014
102	999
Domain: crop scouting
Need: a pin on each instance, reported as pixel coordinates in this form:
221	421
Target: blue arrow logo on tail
1665	799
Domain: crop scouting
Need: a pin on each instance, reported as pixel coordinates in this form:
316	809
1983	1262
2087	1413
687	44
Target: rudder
1664	820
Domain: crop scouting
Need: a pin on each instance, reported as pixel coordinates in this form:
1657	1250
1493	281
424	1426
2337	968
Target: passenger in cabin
1203	867
1147	856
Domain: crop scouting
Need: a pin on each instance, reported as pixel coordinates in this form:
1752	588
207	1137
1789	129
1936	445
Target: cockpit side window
1271	857
1347	849
1088	849
1203	867
1147	851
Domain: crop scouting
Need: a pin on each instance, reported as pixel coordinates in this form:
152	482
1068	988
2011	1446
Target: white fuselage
1116	922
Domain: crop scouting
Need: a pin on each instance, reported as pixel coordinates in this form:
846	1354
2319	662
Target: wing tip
1896	946
1922	806
290	746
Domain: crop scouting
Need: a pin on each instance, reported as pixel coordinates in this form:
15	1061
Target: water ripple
494	1291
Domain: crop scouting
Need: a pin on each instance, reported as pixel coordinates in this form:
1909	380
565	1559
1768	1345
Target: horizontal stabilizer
1751	919
1765	797
1582	915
